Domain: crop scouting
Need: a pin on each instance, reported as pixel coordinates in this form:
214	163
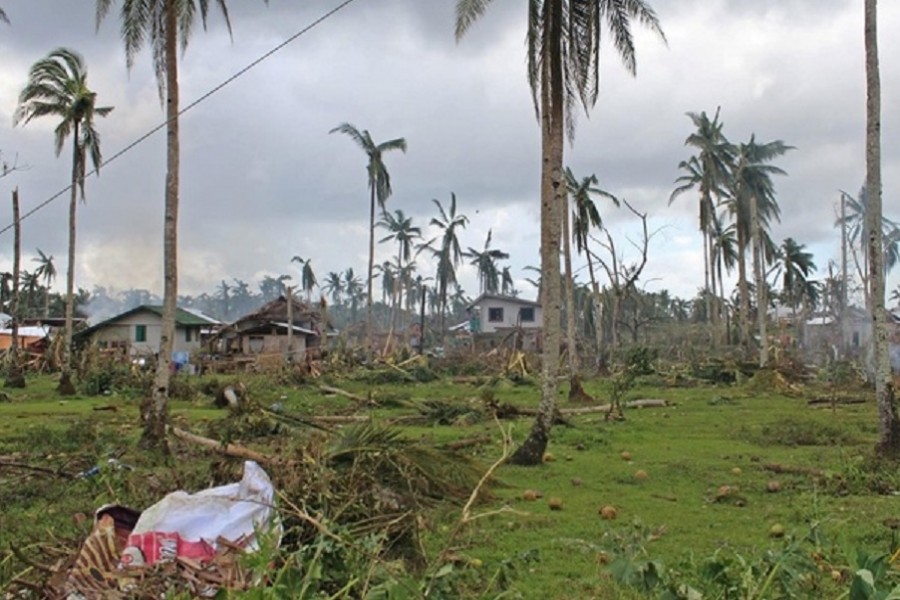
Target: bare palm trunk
743	290
65	387
707	293
371	270
598	309
888	425
571	341
712	299
156	413
14	376
761	302
553	190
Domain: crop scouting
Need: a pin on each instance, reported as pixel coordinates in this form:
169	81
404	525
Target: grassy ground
668	488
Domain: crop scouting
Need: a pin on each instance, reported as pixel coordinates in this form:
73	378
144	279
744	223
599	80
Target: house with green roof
137	331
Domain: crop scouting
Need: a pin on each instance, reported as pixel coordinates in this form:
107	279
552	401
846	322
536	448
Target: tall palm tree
379	192
308	280
163	25
563	46
57	87
47	271
584	217
448	254
752	193
485	263
888	422
708	172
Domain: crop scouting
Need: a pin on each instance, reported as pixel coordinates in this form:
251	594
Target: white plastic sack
188	525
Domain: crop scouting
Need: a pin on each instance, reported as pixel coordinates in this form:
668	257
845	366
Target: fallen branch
602	408
232	450
468	442
27	467
327	389
779	468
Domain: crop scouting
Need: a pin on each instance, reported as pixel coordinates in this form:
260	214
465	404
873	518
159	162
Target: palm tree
793	266
57	86
308	280
379	192
752	193
563	41
724	256
47	271
354	291
163	25
707	171
888	422
507	285
223	294
448	254
334	286
402	231
584	217
855	220
485	263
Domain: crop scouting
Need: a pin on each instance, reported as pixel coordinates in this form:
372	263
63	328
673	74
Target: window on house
856	339
256	343
526	314
140	333
495	315
187	334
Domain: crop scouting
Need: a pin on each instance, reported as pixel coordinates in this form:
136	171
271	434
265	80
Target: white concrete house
138	331
490	313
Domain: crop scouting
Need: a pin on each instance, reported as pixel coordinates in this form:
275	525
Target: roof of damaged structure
304	318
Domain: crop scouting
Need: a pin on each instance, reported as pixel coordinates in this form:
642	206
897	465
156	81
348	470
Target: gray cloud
262	179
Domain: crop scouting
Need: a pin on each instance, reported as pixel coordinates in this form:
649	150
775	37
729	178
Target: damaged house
278	328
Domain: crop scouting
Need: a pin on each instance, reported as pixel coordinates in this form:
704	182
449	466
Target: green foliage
792	431
640	360
115	376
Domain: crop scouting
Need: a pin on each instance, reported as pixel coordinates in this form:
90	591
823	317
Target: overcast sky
262	180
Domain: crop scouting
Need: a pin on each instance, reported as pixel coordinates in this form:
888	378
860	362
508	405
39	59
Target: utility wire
162	125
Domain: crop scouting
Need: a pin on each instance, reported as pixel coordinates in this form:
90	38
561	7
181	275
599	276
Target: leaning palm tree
57	87
563	41
47	271
163	25
379	192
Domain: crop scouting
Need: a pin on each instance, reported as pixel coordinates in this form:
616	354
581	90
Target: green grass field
673	510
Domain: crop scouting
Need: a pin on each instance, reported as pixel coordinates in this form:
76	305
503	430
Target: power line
162	125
